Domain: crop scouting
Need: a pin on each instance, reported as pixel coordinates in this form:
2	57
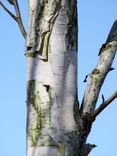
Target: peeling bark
42	16
52	79
56	126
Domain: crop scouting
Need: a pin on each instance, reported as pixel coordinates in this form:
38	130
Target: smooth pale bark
52	78
56	126
98	75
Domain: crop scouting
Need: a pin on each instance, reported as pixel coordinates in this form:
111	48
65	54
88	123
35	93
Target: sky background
95	20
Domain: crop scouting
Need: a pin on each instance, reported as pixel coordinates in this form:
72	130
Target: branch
113	33
105	104
86	149
19	19
103	99
99	73
10	13
85	80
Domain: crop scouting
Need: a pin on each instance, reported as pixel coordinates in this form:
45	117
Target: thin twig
85	80
103	99
10	13
105	104
17	10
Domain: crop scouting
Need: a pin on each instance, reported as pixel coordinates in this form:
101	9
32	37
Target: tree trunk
52	78
56	126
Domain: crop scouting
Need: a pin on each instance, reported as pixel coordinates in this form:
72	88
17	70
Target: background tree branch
17	18
105	104
10	13
98	75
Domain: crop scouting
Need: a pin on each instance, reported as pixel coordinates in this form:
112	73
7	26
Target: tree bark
56	126
52	78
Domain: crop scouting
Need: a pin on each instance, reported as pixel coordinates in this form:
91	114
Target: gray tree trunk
52	78
56	126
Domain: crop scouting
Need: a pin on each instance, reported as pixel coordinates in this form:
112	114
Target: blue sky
95	21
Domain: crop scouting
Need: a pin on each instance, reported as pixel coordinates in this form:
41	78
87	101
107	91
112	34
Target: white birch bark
97	76
55	124
51	78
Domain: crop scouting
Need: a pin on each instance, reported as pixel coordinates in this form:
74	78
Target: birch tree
57	124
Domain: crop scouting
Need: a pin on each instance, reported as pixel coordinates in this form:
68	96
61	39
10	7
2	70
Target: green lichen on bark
29	54
39	121
62	149
34	105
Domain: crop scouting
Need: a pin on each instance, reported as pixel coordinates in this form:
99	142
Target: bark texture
56	125
52	78
97	76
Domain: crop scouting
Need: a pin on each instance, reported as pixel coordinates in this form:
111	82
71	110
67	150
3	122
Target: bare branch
85	80
105	104
113	33
19	19
103	99
11	2
86	149
10	13
99	73
112	69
